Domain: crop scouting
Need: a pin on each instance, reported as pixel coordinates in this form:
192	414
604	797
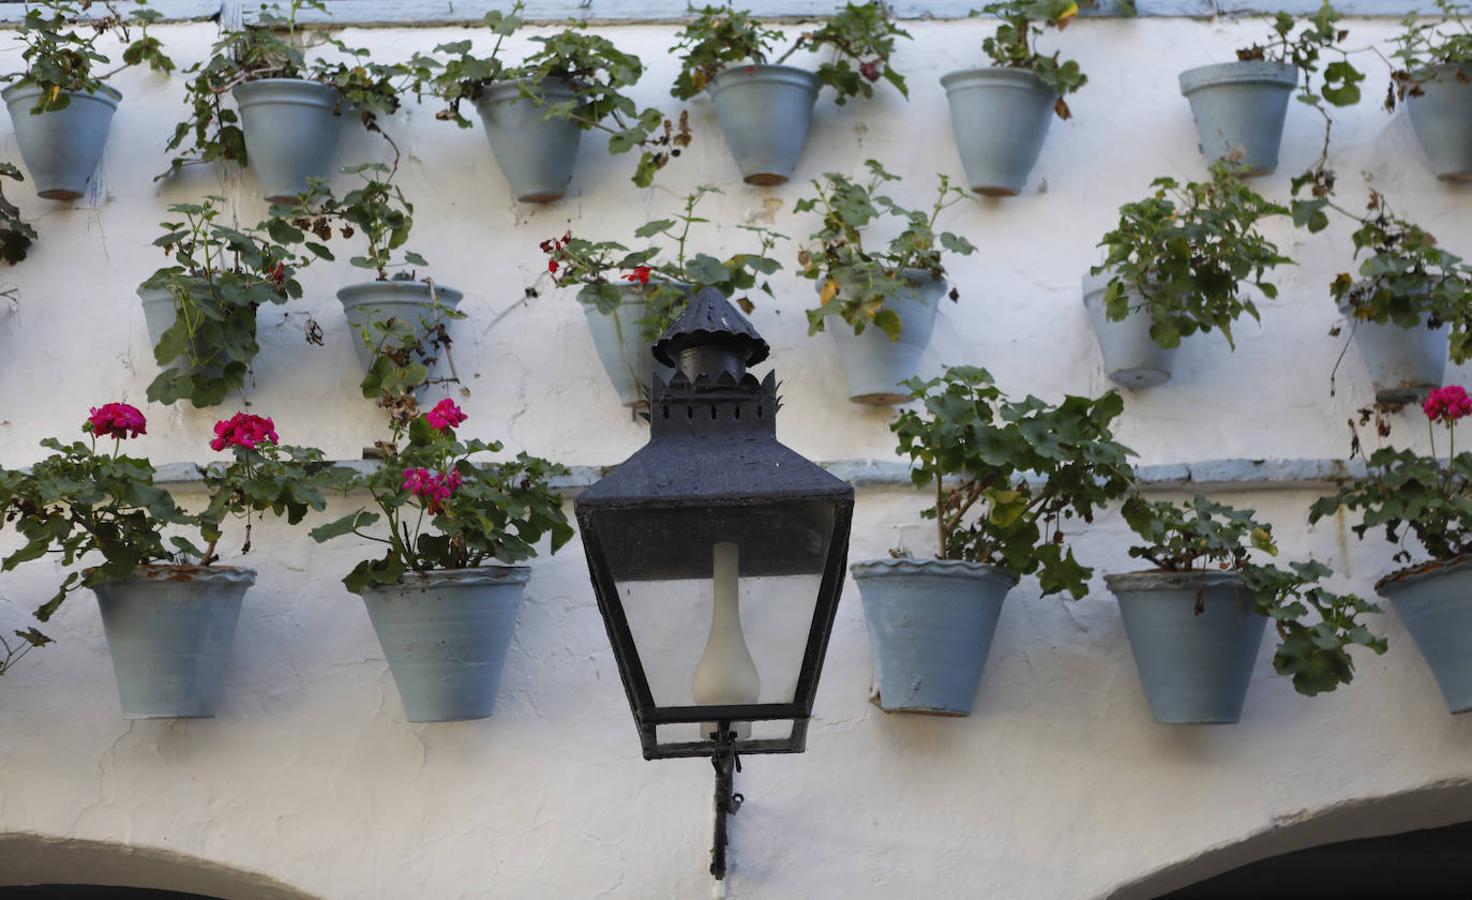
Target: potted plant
1434	80
444	596
1423	505
1195	621
1240	106
535	113
764	106
60	104
16	234
1179	262
630	297
886	297
1009	476
201	310
1000	113
290	108
169	608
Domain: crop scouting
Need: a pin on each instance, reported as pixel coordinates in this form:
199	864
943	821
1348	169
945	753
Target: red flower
640	274
870	70
445	415
1447	404
245	431
117	419
278	275
552	266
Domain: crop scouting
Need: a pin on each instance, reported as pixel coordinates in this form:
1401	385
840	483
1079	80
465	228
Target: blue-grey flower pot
622	346
876	365
445	635
169	630
765	112
61	148
1434	602
291	130
1195	636
406	303
1001	118
931	624
1132	359
1240	108
1441	115
535	153
1404	363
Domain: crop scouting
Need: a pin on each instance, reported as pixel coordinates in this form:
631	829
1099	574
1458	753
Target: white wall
1059	786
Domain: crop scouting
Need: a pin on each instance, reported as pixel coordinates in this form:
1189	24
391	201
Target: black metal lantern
717	556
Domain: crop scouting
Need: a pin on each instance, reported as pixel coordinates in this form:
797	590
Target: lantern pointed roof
709	319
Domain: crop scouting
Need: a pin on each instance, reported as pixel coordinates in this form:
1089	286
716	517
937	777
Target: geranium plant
596	71
857	281
16	234
219	278
1424	45
1414	499
275	47
61	56
1014	45
861	37
1204	536
1189	252
666	272
1010	475
1320	34
442	510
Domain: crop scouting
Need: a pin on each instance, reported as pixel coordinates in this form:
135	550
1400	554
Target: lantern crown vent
724	404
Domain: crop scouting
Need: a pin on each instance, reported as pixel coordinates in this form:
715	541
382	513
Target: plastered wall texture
1059	786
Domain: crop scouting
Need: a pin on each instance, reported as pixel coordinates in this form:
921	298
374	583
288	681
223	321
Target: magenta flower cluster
245	431
445	415
117	419
434	487
1447	404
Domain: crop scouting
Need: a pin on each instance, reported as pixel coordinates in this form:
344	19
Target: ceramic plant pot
1195	636
1001	118
765	113
1239	109
407	304
1404	363
169	630
1434	602
876	365
445	635
931	624
1441	114
291	130
622	347
535	153
1132	359
61	148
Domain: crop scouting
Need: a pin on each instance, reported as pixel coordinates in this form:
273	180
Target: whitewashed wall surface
310	783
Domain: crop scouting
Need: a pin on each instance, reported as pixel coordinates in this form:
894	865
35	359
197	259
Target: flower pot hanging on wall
291	130
874	364
1404	363
622	345
1132	358
1440	108
536	153
406	303
61	148
765	113
1239	109
1001	118
1432	601
169	630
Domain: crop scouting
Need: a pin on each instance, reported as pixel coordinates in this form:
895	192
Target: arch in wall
1433	806
35	859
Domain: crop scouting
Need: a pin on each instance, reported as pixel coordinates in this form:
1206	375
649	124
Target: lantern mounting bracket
727	764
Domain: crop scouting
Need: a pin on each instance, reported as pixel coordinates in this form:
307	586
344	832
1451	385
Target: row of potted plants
289	105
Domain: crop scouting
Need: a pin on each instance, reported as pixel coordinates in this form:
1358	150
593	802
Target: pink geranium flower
433	487
445	415
1447	404
245	431
117	419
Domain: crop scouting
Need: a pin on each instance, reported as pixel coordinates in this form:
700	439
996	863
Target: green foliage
375	211
1014	45
1424	45
61	55
16	234
1203	536
220	277
594	69
1008	474
861	35
1408	495
274	47
860	284
497	511
1189	251
284	481
30	639
1320	34
664	274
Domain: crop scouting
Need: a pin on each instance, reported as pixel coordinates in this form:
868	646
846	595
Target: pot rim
769	72
105	93
356	292
311	83
473	577
1242	71
1149	580
960	77
188	573
1422	571
918	279
899	567
1430	73
551	85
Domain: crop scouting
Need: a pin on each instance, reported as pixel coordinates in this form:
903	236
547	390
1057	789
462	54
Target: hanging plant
16	234
1433	78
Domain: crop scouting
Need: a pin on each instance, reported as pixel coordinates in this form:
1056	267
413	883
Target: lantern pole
726	764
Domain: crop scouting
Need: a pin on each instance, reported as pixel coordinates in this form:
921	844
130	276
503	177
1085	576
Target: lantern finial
710	337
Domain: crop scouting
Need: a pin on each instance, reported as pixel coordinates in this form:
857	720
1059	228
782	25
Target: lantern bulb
726	673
